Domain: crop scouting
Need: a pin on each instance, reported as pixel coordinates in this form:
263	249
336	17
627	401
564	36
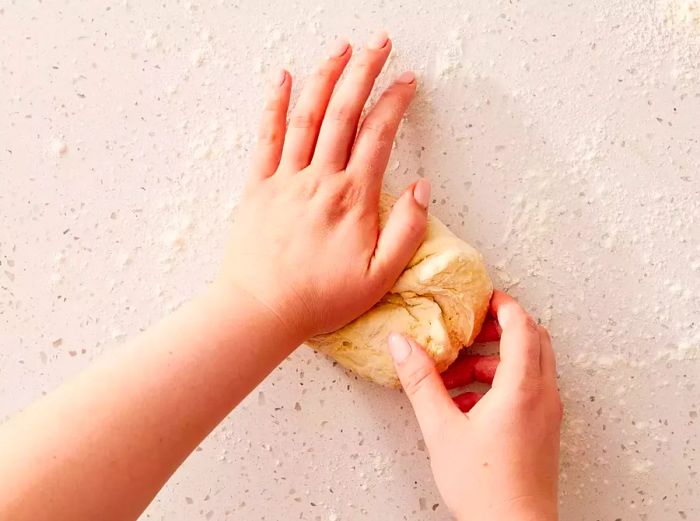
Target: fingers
372	148
520	340
340	124
402	234
305	120
490	331
466	401
469	368
267	153
431	403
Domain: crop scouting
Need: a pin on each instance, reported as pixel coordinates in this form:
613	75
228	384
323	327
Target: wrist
233	303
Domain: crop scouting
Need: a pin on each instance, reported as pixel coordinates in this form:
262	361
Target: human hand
500	460
306	241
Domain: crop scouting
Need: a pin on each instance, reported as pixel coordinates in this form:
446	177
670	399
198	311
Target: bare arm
102	445
305	257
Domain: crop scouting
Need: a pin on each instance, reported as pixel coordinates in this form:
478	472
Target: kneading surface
440	299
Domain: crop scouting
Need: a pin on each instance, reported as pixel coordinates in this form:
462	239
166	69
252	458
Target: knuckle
396	94
544	332
531	394
380	127
365	68
343	114
343	199
364	65
415	227
532	353
529	390
326	72
530	324
523	321
269	135
305	120
416	379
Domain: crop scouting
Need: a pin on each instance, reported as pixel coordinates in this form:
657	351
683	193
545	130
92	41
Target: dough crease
440	300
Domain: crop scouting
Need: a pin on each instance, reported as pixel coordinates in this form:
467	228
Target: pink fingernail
421	192
399	348
338	48
378	40
406	77
278	78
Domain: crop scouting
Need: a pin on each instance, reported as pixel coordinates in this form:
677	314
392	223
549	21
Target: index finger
520	341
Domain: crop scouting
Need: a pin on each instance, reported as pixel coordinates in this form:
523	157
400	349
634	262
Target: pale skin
499	461
306	257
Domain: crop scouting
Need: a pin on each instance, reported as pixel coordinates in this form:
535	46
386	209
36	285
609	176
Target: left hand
306	241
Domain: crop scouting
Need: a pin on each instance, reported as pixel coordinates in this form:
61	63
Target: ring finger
305	120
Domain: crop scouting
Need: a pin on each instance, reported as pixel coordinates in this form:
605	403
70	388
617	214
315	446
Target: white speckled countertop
561	139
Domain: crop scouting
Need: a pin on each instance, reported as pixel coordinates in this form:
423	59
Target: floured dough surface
440	299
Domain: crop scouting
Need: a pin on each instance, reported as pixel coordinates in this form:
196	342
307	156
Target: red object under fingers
469	368
466	401
490	331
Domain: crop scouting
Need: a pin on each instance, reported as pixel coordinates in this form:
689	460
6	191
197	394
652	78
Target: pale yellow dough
440	299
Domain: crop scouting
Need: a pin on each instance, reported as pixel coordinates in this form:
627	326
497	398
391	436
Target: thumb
431	402
403	232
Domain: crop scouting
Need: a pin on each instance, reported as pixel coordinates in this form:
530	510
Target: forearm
102	445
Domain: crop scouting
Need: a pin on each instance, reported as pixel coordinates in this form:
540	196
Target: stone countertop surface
561	139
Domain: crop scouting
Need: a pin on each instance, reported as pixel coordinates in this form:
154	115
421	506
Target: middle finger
340	124
305	120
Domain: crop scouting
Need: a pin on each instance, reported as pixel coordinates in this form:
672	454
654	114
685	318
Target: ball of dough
440	299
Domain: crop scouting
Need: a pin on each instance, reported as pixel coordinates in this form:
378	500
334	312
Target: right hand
500	460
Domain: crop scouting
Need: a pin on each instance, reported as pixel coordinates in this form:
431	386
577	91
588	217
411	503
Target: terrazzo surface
561	139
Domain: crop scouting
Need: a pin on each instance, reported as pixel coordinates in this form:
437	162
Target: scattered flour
683	12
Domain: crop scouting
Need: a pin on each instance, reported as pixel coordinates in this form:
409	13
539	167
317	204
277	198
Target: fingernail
399	348
378	40
421	192
338	48
406	77
277	78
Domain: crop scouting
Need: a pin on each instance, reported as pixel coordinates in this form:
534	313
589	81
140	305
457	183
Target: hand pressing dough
440	299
